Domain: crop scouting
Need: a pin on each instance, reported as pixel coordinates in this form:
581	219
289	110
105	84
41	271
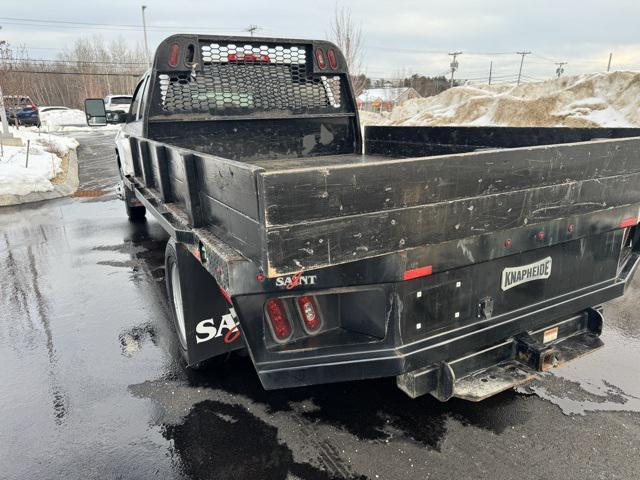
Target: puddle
604	381
222	441
370	410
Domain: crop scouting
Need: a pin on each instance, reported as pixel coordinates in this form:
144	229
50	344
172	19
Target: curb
65	189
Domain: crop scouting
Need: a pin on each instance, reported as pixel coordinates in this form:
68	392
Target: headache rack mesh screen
237	79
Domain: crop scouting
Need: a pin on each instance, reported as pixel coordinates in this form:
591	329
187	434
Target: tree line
90	68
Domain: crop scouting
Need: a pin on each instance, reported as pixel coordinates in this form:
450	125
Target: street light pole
3	112
3	117
146	42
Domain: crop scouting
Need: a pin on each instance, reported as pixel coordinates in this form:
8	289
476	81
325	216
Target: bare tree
91	67
347	35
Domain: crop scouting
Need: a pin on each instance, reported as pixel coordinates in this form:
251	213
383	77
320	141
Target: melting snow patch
593	100
44	163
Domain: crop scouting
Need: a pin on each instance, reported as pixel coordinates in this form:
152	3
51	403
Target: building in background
385	99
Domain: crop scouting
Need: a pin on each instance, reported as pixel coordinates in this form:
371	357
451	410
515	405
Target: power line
252	29
91	62
105	26
74	73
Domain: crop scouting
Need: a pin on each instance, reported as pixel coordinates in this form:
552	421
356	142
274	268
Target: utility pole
560	69
521	63
3	113
490	71
454	64
3	118
146	42
252	29
609	64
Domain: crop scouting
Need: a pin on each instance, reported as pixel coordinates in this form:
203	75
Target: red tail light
320	58
247	57
174	54
278	320
309	313
331	56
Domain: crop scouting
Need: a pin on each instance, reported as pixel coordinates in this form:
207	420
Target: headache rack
218	78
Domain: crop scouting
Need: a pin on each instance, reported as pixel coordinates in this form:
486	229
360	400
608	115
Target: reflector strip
628	222
418	272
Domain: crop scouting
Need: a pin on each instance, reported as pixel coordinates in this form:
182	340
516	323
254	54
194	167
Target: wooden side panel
135	156
161	167
315	244
145	163
231	183
421	141
191	191
239	231
175	169
308	194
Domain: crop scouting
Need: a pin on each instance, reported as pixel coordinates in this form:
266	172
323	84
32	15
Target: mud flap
211	322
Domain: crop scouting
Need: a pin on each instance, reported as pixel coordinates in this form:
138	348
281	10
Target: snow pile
69	120
53	121
593	100
45	162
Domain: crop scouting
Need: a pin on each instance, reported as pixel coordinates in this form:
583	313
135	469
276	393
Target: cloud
408	35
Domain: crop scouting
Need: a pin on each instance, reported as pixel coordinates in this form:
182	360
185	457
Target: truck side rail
318	217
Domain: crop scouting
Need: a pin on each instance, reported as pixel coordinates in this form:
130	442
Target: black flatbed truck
461	260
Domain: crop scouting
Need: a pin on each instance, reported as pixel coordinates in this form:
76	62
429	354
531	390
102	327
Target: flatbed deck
426	253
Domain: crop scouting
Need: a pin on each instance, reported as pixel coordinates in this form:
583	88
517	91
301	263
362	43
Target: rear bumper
503	332
513	362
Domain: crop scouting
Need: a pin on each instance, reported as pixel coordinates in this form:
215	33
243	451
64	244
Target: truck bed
410	191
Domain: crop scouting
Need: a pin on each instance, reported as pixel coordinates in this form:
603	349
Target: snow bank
68	120
593	100
51	121
45	162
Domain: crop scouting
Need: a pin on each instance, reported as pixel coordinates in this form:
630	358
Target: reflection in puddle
205	448
606	380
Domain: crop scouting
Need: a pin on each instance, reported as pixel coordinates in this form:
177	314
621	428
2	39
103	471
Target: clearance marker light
418	272
174	53
628	222
320	58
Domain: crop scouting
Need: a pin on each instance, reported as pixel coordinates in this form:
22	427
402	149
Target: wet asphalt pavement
91	385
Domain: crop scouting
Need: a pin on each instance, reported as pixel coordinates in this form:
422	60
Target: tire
179	314
174	292
135	213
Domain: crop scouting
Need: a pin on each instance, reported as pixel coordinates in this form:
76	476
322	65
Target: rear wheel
181	314
174	290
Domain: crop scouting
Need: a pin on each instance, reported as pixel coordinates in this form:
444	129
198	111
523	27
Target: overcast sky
404	36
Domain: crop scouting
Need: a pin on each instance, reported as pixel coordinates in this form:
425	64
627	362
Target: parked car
22	109
115	106
52	109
